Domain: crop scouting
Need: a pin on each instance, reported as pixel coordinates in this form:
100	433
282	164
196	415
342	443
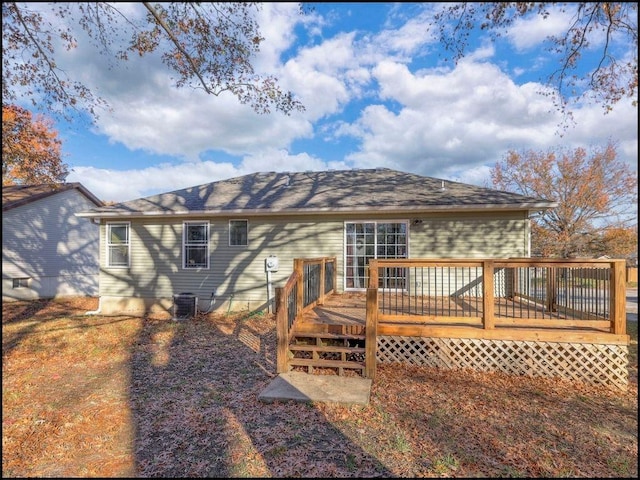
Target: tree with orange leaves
30	149
597	197
621	242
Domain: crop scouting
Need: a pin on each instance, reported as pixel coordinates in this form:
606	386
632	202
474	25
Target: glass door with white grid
366	240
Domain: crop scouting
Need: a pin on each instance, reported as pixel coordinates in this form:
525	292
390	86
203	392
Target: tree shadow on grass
22	313
194	394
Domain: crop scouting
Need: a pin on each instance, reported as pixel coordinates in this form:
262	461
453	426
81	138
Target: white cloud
186	123
533	30
277	22
409	39
322	76
449	123
282	161
120	186
454	124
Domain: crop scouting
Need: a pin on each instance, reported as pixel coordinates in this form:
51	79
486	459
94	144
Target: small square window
21	282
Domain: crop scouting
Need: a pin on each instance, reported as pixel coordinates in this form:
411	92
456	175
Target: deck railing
311	281
523	299
562	317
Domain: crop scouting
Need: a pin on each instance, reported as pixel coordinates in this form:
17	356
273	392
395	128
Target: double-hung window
118	244
195	245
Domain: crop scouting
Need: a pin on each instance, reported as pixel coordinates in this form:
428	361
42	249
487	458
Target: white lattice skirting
596	364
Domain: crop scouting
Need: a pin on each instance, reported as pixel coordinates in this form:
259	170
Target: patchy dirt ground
97	396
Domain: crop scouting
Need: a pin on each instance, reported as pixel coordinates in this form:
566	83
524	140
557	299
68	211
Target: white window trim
375	247
184	245
238	220
107	242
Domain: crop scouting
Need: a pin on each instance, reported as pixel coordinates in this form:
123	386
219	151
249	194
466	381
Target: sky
376	91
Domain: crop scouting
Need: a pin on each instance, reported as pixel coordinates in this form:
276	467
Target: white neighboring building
47	251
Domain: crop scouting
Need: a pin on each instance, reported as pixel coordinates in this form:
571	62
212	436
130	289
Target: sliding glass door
366	240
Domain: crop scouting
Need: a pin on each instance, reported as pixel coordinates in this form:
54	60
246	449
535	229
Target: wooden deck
346	313
536	317
341	313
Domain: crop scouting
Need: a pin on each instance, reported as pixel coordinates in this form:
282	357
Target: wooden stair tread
326	348
319	363
296	334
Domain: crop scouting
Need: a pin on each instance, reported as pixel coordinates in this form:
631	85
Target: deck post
371	333
298	266
335	273
552	288
618	306
373	273
488	295
323	266
278	294
282	335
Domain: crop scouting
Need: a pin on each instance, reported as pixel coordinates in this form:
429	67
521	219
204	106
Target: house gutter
328	210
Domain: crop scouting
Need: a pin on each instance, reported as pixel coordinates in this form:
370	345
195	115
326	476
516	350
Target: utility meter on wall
271	263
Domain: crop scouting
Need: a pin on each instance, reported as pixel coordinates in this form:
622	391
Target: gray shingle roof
364	190
16	195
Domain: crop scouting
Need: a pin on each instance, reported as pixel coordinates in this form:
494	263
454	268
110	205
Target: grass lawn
97	396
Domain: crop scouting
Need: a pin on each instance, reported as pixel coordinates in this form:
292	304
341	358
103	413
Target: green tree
207	45
30	149
597	197
596	27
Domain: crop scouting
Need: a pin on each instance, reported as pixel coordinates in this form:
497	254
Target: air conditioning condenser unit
185	306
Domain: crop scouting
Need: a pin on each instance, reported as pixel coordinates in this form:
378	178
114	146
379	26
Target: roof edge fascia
63	187
541	206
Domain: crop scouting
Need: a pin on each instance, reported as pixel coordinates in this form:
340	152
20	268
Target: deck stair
323	351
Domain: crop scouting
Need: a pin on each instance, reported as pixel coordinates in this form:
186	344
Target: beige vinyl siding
466	236
156	258
45	242
471	236
237	273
